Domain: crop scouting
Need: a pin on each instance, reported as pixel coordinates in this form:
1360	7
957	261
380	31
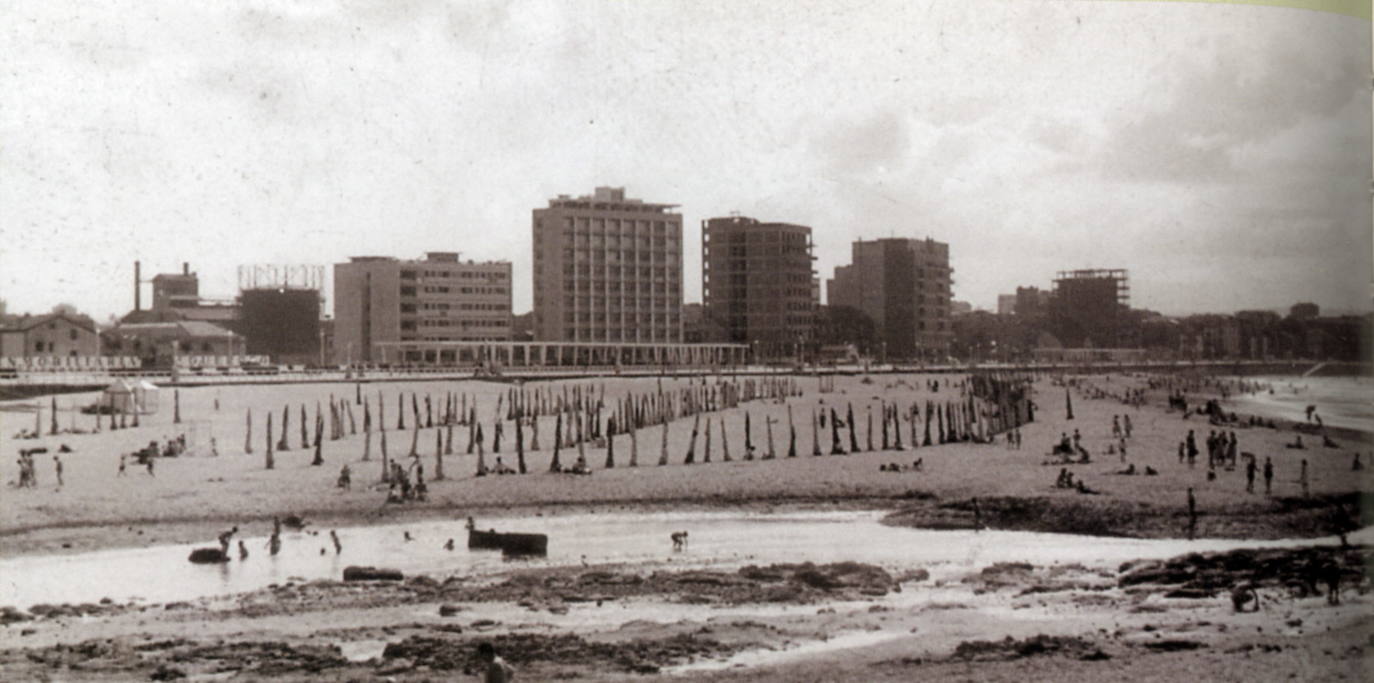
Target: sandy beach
189	499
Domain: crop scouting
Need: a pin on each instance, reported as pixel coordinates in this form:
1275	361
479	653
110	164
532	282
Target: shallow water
1340	401
161	574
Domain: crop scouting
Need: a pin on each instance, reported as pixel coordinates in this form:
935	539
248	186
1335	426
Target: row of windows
756	236
570	270
465	306
441	289
638	335
627	256
582	223
616	319
463	275
465	322
614	287
599	302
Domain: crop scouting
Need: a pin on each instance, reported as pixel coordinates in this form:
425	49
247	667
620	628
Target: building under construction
1088	308
279	312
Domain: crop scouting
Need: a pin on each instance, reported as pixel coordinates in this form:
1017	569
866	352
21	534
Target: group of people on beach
28	468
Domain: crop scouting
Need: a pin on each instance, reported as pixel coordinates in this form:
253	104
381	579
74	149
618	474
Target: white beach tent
119	396
145	396
140	397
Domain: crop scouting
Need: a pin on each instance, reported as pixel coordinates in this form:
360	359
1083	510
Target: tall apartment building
757	284
904	286
439	298
607	269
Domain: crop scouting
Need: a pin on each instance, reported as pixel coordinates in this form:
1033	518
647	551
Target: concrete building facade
757	284
438	299
607	269
904	285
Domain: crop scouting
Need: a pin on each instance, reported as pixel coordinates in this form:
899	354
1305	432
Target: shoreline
1274	519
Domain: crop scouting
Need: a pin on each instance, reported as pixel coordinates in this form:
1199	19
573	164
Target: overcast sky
1220	152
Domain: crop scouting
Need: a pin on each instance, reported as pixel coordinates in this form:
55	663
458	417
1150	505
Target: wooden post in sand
367	433
305	429
1068	405
610	444
319	436
897	428
472	430
248	434
438	455
815	435
285	429
481	454
692	444
853	431
886	443
386	469
519	445
870	429
176	409
768	427
634	447
748	438
269	441
554	465
724	442
791	434
706	457
663	452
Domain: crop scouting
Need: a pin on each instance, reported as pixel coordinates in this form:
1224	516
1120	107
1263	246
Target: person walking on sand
1268	475
334	536
494	669
122	459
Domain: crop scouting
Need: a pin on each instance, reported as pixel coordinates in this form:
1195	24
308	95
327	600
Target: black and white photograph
667	340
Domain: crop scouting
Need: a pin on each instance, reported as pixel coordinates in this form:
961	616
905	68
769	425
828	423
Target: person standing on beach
1250	475
57	465
225	537
1268	475
1126	425
1302	477
1192	448
122	459
494	669
334	536
243	551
